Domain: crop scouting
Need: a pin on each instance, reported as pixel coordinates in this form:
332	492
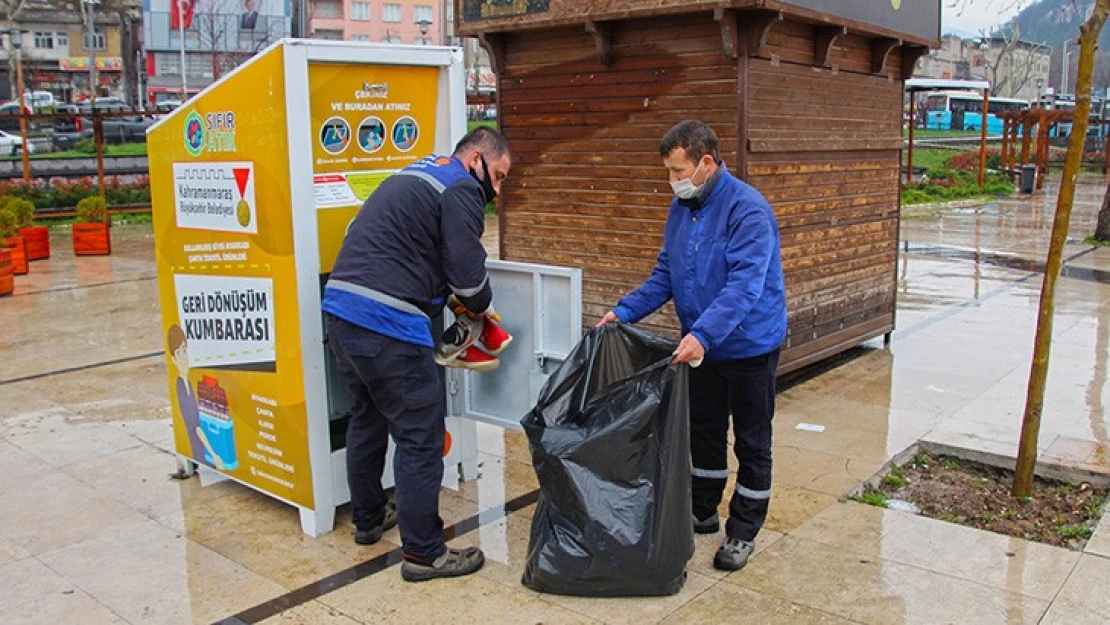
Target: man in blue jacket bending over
417	239
720	263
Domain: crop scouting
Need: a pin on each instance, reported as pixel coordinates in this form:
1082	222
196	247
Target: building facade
55	55
221	35
420	22
1015	68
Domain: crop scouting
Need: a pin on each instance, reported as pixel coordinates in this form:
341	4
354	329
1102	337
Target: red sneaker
494	338
475	359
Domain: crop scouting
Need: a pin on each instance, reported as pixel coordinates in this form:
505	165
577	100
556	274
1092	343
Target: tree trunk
1034	403
1102	228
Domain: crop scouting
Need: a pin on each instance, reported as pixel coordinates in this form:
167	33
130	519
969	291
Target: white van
39	100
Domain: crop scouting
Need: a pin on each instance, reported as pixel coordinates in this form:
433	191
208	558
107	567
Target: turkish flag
181	13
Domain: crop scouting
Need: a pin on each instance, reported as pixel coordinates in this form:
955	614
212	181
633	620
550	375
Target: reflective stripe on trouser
746	389
396	390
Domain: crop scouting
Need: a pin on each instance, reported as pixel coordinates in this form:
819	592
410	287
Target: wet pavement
92	530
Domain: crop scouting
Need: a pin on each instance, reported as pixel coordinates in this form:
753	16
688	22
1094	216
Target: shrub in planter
37	238
91	236
10	239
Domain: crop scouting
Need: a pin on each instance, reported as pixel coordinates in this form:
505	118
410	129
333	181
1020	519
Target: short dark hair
175	338
693	136
486	140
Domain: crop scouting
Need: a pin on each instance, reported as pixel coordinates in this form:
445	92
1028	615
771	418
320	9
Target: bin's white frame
329	479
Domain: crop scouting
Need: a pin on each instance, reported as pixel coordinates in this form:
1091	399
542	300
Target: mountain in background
1052	22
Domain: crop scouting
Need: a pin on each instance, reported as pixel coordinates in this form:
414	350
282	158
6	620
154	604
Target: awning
79	64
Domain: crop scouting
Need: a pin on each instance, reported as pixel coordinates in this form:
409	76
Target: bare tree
1102	227
1038	373
1014	63
220	26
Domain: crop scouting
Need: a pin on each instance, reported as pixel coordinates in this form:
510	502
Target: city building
55	56
1014	67
220	35
384	21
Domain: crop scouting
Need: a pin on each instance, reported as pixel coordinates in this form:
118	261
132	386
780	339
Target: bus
963	110
1067	103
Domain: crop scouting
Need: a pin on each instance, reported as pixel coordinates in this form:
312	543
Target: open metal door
541	306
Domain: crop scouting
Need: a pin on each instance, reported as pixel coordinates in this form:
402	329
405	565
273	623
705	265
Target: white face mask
686	189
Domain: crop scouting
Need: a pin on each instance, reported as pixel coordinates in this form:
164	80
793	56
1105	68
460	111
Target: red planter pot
38	242
7	276
91	240
17	247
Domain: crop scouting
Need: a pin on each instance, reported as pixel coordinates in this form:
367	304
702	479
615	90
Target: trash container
1028	178
610	444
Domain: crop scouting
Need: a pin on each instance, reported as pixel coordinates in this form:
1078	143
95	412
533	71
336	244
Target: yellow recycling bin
253	184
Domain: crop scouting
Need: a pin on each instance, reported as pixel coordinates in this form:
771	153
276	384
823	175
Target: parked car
12	145
11	125
166	106
40	101
127	129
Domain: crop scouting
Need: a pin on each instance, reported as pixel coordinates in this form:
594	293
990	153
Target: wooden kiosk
805	94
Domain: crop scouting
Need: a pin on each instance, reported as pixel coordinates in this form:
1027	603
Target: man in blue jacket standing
720	263
417	239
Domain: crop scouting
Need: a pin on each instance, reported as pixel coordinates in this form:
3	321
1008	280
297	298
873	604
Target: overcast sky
968	17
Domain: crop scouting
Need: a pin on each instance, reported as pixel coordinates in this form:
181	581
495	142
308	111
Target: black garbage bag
610	443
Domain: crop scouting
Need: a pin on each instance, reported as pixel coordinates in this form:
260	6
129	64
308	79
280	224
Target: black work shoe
733	554
374	534
453	563
711	525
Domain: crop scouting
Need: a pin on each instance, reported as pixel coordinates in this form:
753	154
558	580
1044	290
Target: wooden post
909	150
1042	149
98	134
22	112
1005	142
983	139
1026	137
1038	373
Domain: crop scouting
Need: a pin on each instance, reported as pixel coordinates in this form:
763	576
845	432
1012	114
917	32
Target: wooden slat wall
824	148
588	189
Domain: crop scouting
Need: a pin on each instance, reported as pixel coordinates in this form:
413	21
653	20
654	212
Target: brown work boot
453	563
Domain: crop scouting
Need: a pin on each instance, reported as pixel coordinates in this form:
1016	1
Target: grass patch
929	158
1095	242
83	150
871	497
489	123
940	134
951	176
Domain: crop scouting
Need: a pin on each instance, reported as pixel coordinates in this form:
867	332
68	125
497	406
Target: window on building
61	39
44	40
391	39
360	11
330	35
329	10
360	37
421	12
422	41
98	42
391	13
450	12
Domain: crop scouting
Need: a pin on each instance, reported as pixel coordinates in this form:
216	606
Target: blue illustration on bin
216	423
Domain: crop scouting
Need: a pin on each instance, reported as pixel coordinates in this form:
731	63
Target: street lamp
15	36
423	24
1064	68
1039	83
90	29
